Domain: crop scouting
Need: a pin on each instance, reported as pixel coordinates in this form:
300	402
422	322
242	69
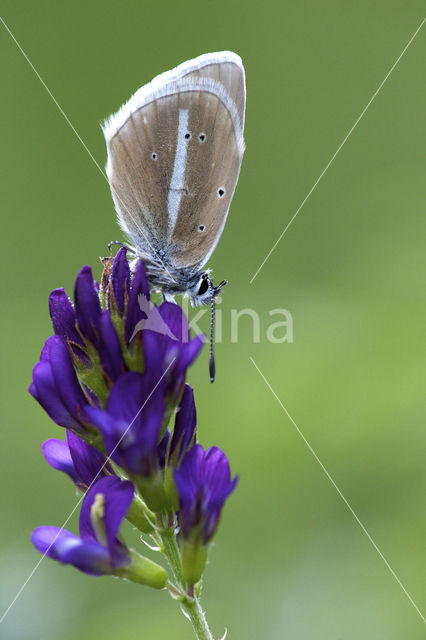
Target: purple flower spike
79	460
184	432
203	483
120	281
132	421
55	386
97	551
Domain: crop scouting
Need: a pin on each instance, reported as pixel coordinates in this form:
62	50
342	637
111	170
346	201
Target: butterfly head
203	291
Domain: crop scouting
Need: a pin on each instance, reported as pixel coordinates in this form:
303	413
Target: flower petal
168	348
43	389
67	548
185	425
57	453
137	306
90	557
132	421
87	305
63	316
203	483
54	541
176	321
120	280
191	351
109	347
117	498
67	384
55	386
89	463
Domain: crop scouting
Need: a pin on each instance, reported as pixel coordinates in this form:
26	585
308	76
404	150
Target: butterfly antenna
212	366
213	293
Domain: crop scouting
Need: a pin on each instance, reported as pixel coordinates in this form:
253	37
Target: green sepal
133	354
171	407
194	558
144	571
152	491
92	376
140	516
170	490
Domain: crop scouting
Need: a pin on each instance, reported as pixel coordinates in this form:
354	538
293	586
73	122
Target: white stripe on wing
178	178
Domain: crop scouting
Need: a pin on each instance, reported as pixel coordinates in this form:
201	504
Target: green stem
190	604
170	549
194	612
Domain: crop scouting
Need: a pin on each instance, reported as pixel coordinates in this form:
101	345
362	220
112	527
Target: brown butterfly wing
140	161
168	190
225	68
214	154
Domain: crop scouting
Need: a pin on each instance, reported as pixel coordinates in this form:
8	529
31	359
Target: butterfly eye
201	228
154	156
202	137
188	136
203	287
221	192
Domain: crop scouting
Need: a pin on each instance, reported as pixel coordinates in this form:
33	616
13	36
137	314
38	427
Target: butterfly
174	156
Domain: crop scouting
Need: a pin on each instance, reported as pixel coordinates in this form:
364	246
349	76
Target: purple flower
203	482
168	348
176	443
109	349
87	305
138	303
132	421
79	460
119	283
63	317
56	387
185	428
98	550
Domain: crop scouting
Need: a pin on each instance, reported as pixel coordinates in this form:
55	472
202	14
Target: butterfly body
171	281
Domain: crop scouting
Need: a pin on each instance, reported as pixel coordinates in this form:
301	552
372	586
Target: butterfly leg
122	244
167	297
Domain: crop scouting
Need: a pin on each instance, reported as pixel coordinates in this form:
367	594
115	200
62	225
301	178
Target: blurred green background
290	561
